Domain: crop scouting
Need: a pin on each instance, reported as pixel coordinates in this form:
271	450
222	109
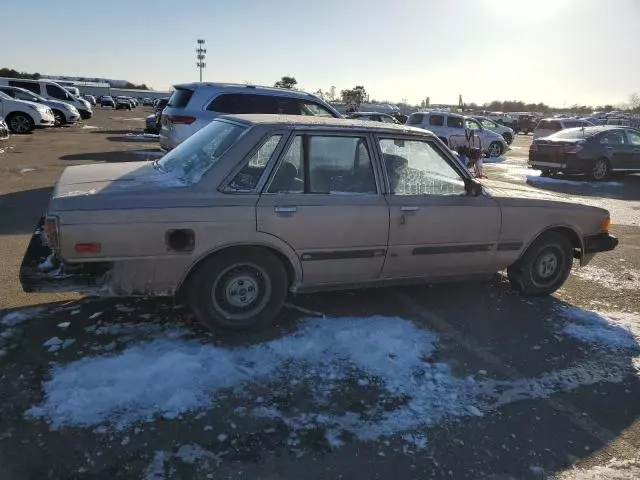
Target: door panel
338	238
633	158
440	236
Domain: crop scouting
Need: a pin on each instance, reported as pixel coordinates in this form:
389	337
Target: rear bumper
602	242
561	163
42	272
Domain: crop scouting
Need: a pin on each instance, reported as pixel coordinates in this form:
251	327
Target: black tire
545	173
222	283
497	148
20	123
601	169
507	138
59	117
544	267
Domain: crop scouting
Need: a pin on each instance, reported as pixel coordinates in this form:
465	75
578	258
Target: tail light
572	148
51	232
181	119
533	147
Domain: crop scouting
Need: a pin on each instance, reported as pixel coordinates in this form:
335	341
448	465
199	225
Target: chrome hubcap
241	291
494	149
547	265
20	124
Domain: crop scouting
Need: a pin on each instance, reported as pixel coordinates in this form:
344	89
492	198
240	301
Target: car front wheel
507	138
239	290
495	149
59	117
20	123
544	267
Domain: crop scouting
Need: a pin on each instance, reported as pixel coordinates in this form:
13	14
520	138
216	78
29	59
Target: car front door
633	159
436	228
324	200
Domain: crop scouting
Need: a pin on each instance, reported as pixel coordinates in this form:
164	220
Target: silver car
64	113
255	206
194	105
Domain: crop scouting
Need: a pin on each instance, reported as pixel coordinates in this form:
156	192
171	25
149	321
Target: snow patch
155	470
89	127
623	279
615	331
27	170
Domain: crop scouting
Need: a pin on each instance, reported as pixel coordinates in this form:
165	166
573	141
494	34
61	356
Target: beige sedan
255	206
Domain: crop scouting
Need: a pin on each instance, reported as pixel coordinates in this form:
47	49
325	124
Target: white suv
23	117
450	127
193	106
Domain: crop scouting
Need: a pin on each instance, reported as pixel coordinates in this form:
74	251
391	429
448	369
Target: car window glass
25	96
386	119
570	124
56	92
31	86
180	98
289	177
248	178
471	124
436	120
314	109
191	160
288	106
415	119
613	138
634	137
239	103
454	122
340	165
487	124
555	125
419	168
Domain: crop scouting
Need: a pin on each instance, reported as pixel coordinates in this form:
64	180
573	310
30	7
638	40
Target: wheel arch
13	113
288	259
571	232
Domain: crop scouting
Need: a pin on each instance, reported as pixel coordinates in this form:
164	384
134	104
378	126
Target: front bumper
42	272
72	118
602	242
85	114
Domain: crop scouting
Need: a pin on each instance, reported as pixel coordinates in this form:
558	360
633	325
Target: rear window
239	103
570	124
549	125
180	98
415	119
573	133
191	160
436	120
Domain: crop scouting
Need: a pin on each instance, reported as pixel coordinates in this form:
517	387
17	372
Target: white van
50	90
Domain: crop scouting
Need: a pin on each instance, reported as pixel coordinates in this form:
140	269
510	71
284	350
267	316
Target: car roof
370	113
242	88
322	122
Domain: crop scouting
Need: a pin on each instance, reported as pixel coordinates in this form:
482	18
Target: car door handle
408	209
609	148
286	210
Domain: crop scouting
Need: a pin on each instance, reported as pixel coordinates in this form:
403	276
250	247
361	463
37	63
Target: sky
560	52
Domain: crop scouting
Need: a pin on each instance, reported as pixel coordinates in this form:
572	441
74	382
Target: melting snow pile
623	279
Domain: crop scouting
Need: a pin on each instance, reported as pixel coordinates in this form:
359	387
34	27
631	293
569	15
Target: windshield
28	96
191	159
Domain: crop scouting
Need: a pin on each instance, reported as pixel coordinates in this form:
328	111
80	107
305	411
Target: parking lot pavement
466	381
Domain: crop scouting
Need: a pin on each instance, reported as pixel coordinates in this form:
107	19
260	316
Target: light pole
201	54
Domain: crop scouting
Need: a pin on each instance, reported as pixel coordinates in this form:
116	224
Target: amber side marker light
88	247
606	225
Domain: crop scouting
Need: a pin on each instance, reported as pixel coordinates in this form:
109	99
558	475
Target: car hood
57	104
108	184
516	195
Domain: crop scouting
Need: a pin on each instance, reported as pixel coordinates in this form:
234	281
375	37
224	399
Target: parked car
502	119
194	105
373	117
447	126
592	151
399	206
64	113
133	102
147	102
151	124
24	117
506	132
160	104
4	129
51	91
549	126
91	99
525	124
123	103
107	101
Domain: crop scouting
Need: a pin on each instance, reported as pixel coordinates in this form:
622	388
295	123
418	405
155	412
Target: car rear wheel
600	169
495	149
544	267
239	290
507	138
20	123
59	117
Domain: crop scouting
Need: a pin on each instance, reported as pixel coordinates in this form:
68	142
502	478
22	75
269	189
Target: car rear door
324	200
436	228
